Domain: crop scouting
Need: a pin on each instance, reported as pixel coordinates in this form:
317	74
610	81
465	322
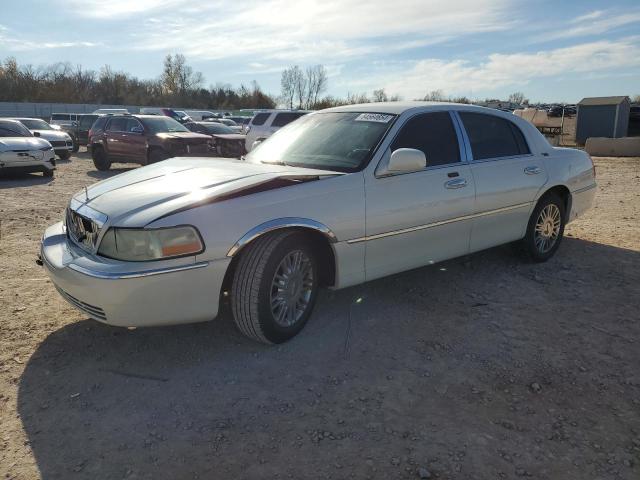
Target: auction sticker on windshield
373	117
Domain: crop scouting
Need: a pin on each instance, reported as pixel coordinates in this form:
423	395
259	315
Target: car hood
140	196
229	136
52	134
183	136
22	143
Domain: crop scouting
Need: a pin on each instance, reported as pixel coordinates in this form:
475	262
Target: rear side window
283	119
99	123
260	118
87	120
434	134
118	124
493	137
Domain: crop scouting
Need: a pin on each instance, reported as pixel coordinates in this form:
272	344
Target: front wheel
76	145
100	158
275	285
64	155
545	229
157	155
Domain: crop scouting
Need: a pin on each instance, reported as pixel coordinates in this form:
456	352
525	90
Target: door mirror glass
406	160
36	134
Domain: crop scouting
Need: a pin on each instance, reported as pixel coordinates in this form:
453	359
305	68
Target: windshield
35	124
341	141
163	124
13	129
217	128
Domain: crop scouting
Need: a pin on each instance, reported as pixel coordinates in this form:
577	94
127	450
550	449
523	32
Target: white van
110	111
199	115
266	122
63	119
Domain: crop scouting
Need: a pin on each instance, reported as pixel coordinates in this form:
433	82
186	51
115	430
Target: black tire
253	282
47	173
64	155
76	145
100	158
156	155
527	246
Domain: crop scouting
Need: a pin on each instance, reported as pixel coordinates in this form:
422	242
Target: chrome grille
91	310
82	230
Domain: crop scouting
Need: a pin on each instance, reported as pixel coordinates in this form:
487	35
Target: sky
549	49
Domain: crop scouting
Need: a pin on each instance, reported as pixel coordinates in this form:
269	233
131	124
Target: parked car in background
62	119
226	142
178	115
143	139
20	151
243	122
336	198
110	111
228	123
79	130
264	124
199	115
61	141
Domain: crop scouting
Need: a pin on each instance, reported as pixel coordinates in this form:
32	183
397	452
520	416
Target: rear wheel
47	173
100	158
274	288
545	229
64	155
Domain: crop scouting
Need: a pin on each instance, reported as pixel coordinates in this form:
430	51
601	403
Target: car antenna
86	194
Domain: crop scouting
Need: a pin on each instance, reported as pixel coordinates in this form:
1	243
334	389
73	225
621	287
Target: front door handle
532	170
456	183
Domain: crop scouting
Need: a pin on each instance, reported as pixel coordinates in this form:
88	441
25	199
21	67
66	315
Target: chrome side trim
584	189
437	224
277	224
145	273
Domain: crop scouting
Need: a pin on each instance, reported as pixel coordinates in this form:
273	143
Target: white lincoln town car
336	198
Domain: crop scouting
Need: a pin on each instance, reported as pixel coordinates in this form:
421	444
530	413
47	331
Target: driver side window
433	134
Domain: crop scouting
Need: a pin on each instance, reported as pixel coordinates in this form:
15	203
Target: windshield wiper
275	163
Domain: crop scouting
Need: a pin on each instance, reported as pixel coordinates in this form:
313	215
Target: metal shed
602	117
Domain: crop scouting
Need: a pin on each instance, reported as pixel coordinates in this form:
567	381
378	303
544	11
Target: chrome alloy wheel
291	288
547	228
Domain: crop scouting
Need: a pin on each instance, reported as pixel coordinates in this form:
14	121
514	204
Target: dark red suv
143	139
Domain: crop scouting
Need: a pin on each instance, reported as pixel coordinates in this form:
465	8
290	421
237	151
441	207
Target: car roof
17	119
397	108
12	120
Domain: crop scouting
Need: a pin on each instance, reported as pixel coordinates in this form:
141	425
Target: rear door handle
532	170
456	183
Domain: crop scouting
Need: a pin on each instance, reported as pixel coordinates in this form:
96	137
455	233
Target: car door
133	142
113	136
507	176
419	218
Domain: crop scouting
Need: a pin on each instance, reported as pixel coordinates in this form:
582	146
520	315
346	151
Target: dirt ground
480	368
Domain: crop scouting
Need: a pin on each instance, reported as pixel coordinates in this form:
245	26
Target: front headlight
141	245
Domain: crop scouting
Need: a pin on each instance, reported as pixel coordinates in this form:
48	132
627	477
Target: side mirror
139	130
406	160
74	124
36	134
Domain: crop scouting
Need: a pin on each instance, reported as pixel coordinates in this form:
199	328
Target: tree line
177	85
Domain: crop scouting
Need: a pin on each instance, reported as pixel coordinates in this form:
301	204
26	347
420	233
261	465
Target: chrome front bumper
132	294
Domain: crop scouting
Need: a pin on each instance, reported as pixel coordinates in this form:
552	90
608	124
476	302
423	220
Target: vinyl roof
603	100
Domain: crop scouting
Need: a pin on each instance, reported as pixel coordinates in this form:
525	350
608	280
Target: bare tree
435	96
518	98
300	84
288	86
380	96
316	83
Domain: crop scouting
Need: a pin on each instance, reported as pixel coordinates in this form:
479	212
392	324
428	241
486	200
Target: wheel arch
321	237
564	193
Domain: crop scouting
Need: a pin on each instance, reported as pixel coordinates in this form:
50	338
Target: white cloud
18	43
504	70
591	24
306	29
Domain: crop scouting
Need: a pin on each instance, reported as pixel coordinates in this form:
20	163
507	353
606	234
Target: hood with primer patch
181	182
